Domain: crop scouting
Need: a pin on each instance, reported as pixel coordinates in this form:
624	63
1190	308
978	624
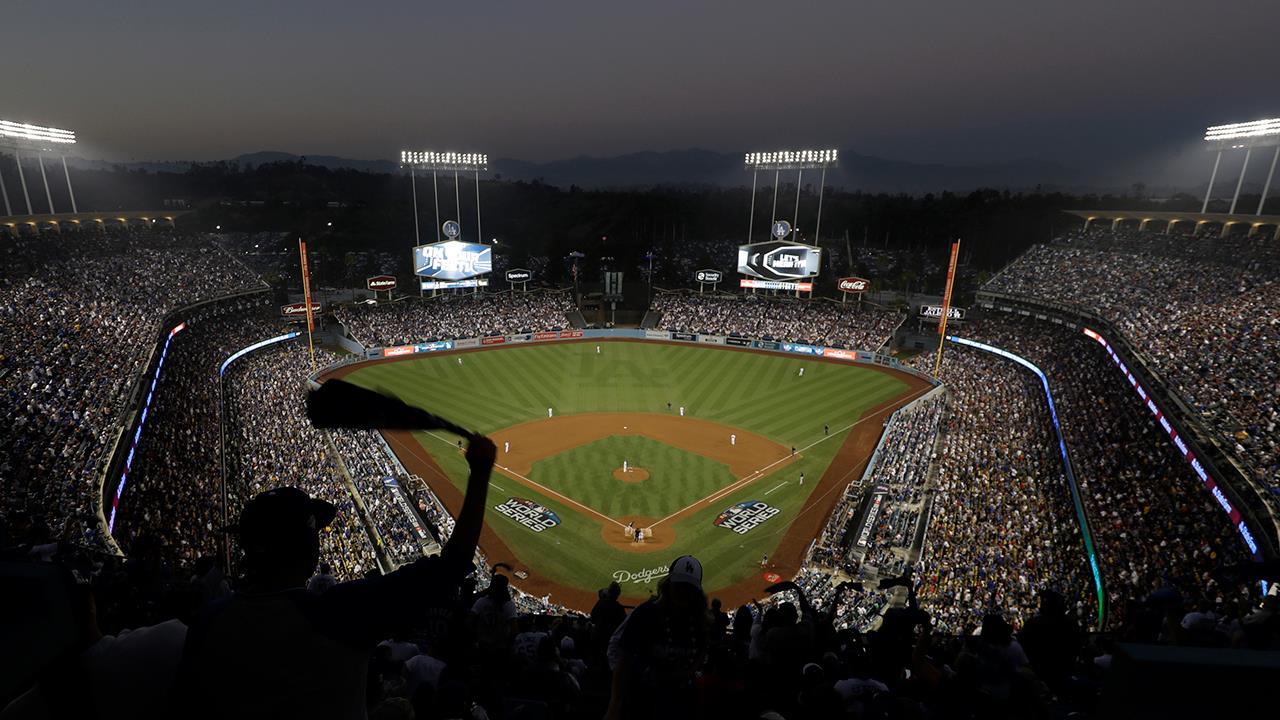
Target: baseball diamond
561	509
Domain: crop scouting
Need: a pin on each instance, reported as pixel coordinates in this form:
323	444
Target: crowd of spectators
79	318
1003	527
817	322
270	443
1156	530
370	468
1204	311
449	317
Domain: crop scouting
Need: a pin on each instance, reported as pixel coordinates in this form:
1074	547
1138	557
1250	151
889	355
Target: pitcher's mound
632	475
658	538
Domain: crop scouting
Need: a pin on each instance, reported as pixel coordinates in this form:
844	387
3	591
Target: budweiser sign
294	310
854	284
381	282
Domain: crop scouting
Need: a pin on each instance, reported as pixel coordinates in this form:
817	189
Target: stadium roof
1145	217
57	220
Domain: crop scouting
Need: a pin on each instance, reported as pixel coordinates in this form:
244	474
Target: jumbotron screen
452	260
779	260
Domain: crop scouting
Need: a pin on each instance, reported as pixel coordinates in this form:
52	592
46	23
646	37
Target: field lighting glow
791	159
35	133
433	160
1245	130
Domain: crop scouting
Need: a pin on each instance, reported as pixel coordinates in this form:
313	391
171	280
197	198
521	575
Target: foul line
775	487
757	474
540	487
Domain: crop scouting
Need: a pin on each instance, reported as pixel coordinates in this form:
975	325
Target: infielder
506	446
733	439
548	412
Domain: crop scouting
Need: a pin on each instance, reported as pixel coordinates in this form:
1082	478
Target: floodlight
35	135
432	160
1258	133
792	159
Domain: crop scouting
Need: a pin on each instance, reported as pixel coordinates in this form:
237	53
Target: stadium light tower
443	161
39	140
780	160
1247	135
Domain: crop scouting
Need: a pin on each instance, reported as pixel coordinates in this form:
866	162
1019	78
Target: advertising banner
775	285
934	312
853	284
298	311
433	346
398	350
737	342
493	340
520	338
779	260
711	339
546	336
687	337
839	354
802	349
454	284
569	334
452	260
709	276
380	283
765	344
467	343
518	275
657	335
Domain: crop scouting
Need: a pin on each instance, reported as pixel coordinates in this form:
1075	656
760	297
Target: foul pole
306	300
946	306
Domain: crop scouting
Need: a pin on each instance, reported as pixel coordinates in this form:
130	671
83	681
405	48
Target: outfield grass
758	392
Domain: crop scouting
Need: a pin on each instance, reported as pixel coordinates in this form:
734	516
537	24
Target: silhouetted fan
340	404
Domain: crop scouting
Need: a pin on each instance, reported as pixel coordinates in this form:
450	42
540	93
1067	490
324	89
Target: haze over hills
701	167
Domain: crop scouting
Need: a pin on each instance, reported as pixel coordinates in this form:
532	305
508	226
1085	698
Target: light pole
38	139
1241	136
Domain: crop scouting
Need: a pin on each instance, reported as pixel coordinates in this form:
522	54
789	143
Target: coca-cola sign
293	310
381	283
854	284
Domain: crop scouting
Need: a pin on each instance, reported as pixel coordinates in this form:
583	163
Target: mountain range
703	167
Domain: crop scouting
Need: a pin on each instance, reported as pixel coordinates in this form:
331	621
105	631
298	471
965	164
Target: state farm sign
381	283
854	284
293	310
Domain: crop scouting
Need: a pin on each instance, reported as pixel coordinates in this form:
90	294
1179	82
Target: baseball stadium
757	432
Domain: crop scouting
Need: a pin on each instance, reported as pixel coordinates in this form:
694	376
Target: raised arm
466	531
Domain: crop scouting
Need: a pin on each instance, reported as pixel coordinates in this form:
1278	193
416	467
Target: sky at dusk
1113	85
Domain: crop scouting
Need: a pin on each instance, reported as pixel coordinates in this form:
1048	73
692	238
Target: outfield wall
863	357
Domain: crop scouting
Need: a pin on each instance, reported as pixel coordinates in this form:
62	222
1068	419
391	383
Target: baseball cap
686	569
281	513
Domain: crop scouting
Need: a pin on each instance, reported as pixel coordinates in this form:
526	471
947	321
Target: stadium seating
819	323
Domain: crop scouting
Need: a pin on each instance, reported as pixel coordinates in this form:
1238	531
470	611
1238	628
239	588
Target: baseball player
548	412
801	372
733	439
506	446
801	478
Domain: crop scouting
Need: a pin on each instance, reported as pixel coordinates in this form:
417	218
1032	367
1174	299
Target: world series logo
745	516
529	514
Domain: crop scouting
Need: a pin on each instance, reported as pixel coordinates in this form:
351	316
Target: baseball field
698	450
